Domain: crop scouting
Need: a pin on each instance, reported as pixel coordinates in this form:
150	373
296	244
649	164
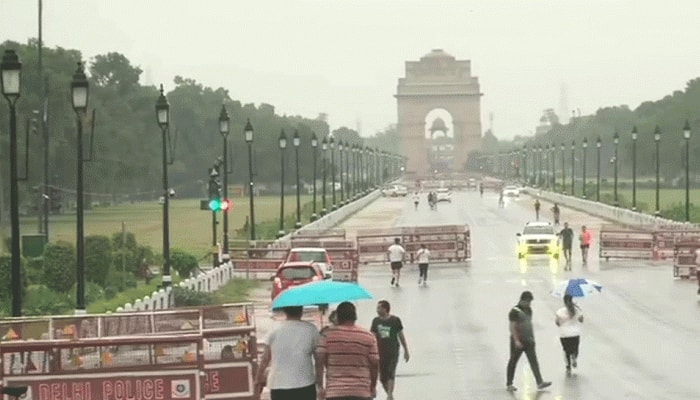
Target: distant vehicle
511	191
471	184
443	194
395	191
294	274
538	238
317	255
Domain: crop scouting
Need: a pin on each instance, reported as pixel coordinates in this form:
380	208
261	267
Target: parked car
444	194
538	238
511	191
395	191
294	274
316	255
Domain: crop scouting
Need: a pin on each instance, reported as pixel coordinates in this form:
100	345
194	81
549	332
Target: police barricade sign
345	263
666	237
615	242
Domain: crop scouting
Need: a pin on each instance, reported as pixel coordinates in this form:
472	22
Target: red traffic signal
226	205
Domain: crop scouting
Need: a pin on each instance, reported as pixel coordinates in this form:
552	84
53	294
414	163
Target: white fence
214	279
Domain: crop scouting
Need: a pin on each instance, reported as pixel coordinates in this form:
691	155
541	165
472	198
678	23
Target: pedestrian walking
289	354
569	319
501	201
555	213
537	209
423	255
388	330
481	190
585	238
566	236
522	339
347	358
416	200
396	256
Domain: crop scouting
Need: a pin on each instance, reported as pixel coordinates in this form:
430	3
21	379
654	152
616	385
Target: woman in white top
569	319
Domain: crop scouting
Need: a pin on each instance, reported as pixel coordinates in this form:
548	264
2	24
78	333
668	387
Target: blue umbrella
577	287
321	292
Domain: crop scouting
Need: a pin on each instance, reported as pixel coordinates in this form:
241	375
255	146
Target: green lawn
647	197
190	227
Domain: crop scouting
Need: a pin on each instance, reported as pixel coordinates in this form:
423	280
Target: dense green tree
98	258
59	266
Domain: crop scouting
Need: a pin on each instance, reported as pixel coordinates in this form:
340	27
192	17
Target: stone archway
438	81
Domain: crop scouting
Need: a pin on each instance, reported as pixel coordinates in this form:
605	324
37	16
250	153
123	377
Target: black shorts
396	265
387	366
585	246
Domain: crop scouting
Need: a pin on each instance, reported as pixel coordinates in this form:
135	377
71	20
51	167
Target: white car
316	255
443	194
538	238
511	191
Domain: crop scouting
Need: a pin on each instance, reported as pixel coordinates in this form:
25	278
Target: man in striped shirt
348	355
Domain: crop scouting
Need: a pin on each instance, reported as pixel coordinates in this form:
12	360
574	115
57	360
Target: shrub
183	262
41	300
35	270
6	279
190	298
98	258
125	246
59	266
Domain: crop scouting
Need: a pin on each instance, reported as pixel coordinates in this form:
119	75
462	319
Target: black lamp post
348	150
573	169
79	91
634	168
553	155
331	144
163	118
314	144
585	151
616	141
539	165
686	136
223	130
524	173
598	145
296	141
355	170
11	70
563	170
283	146
657	139
340	177
324	149
248	132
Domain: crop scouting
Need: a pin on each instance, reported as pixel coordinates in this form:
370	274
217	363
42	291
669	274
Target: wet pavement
640	336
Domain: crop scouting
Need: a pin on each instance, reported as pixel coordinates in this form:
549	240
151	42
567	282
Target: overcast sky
344	58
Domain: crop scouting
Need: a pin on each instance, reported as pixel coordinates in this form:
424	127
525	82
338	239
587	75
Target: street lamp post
686	136
616	141
314	144
331	144
248	132
553	155
296	141
573	170
348	150
634	168
598	145
163	118
11	71
283	146
657	139
79	95
563	170
324	149
524	173
340	177
223	130
585	150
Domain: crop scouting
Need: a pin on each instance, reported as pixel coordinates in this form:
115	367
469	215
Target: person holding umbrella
569	319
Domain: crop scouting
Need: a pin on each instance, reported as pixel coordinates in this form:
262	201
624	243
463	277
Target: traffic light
214	193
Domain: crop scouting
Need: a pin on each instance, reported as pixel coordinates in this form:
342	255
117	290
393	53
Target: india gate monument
439	116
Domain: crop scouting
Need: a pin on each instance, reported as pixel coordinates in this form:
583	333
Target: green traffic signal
215	205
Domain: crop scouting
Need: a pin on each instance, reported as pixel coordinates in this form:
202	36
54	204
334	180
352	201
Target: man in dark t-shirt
388	330
567	238
522	339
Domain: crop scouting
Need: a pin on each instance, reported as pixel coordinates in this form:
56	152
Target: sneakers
543	385
511	388
425	283
393	280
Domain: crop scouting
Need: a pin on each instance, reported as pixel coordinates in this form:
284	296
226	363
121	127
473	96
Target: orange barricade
616	242
445	242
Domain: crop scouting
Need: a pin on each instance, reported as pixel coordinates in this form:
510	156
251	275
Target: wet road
641	338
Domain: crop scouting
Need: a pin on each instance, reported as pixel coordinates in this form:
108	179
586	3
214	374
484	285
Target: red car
295	274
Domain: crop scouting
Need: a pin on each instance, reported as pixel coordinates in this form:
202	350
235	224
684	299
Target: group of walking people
397	255
343	361
566	235
568	319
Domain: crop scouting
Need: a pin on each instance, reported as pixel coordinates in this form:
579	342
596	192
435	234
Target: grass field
647	197
190	227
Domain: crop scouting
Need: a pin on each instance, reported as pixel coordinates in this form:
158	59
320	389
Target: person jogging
396	254
537	209
423	255
522	339
388	330
555	213
566	236
585	238
569	319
